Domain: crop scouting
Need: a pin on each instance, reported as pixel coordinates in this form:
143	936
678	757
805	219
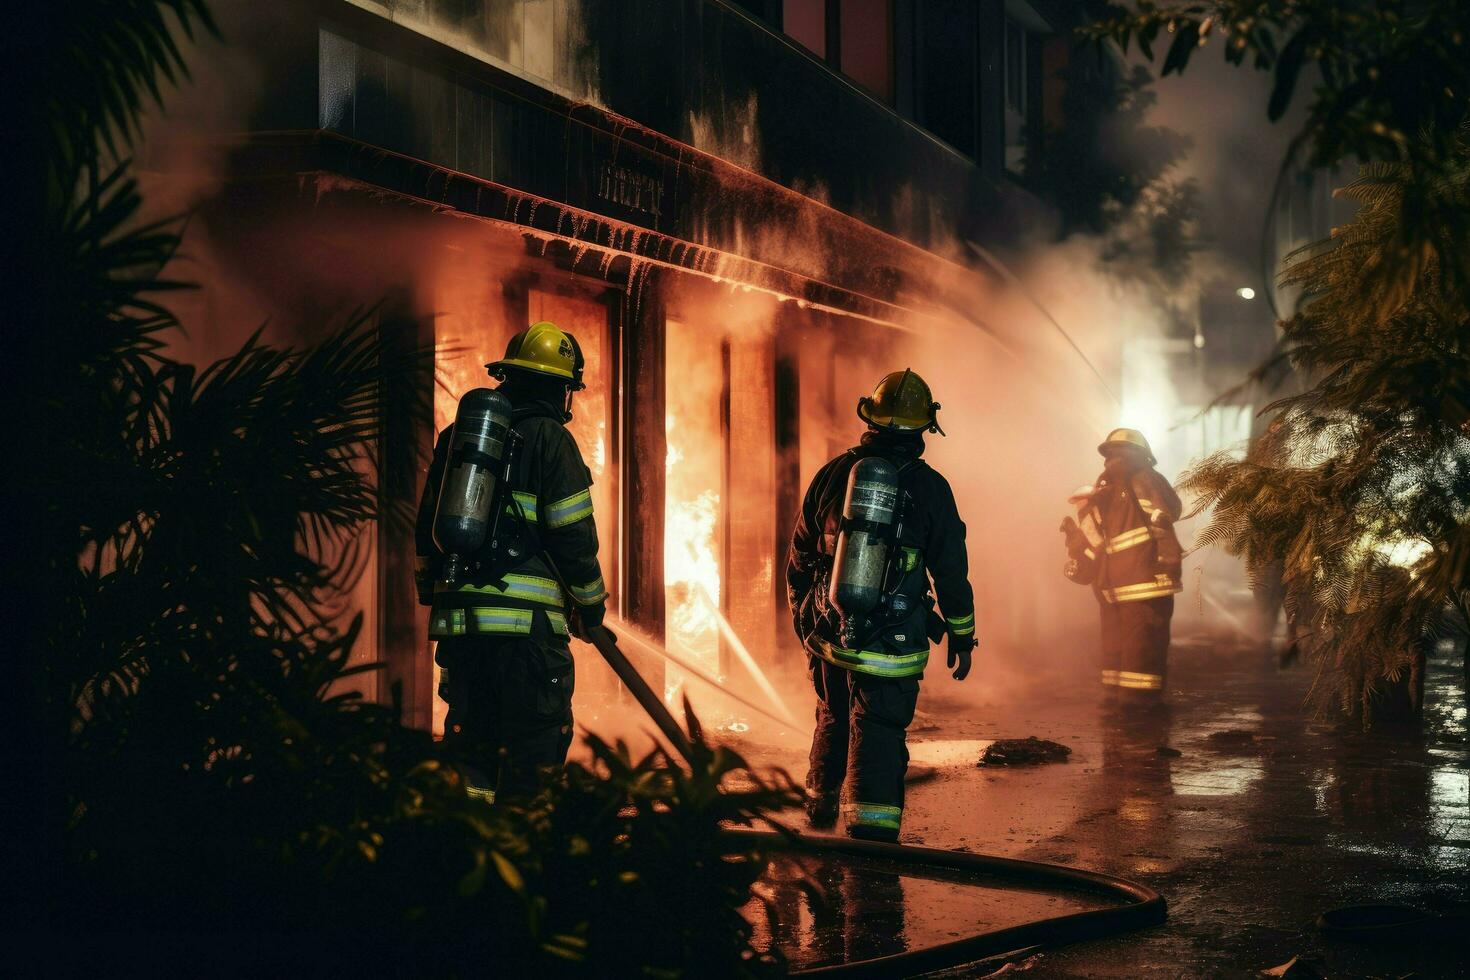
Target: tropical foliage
1354	499
1388	82
200	766
1357	493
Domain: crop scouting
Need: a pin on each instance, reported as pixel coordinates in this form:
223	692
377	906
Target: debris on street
1029	751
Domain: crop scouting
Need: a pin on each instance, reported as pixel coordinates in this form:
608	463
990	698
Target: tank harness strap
466	453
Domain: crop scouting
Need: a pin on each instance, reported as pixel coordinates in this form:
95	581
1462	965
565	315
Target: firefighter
502	625
1125	547
866	667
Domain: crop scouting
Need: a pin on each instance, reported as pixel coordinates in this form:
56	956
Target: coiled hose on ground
1139	906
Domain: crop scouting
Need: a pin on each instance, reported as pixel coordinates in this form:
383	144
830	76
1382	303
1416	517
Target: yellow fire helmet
1127	439
543	348
901	403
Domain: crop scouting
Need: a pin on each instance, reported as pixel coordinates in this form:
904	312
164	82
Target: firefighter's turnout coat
866	694
1129	523
932	546
1131	556
547	508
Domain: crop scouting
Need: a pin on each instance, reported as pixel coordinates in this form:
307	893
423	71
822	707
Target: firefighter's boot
821	811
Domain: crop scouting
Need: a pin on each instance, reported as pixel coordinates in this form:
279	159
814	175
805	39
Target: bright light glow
1402	551
691	542
1245	292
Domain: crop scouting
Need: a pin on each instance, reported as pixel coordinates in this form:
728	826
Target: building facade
737	208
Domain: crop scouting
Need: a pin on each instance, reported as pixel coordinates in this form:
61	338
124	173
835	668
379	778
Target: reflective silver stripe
527	505
1090	553
963	626
496	619
873	815
479	792
558	622
1110	677
591	593
532	588
1142	682
569	510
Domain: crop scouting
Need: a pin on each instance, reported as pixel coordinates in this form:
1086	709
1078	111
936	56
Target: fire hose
1139	906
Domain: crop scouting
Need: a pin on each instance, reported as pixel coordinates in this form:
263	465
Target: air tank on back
476	447
861	561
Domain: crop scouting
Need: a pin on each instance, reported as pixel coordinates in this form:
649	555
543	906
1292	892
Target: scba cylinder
476	448
861	562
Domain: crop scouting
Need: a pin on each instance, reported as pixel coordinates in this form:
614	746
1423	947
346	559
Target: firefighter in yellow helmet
876	528
502	626
1123	544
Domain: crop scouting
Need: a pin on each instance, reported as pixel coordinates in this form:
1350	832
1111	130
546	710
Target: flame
691	563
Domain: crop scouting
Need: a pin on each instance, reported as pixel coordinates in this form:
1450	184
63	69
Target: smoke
1024	410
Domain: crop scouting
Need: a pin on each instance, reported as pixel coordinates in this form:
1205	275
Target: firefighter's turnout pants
1135	645
862	721
510	704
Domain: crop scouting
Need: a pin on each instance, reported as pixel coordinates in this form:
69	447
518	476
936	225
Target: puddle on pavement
855	910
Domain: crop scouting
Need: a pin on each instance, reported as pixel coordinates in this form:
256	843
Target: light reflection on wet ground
824	912
1250	835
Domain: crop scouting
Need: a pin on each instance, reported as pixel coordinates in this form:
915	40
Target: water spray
784	718
741	651
1014	281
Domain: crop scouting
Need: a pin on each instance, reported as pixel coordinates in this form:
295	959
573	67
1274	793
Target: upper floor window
1021	49
805	22
853	36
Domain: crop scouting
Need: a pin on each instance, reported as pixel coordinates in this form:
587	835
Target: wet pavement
1249	815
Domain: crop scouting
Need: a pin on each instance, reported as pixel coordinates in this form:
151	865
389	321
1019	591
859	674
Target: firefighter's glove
960	648
1077	543
586	618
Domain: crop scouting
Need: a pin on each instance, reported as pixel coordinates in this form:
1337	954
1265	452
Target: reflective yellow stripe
479	792
558	622
963	626
1145	503
1142	682
910	559
874	662
1133	538
569	510
531	588
526	508
591	593
873	815
1161	586
1110	677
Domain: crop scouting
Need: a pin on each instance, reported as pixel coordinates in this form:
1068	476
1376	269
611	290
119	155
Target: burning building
745	212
